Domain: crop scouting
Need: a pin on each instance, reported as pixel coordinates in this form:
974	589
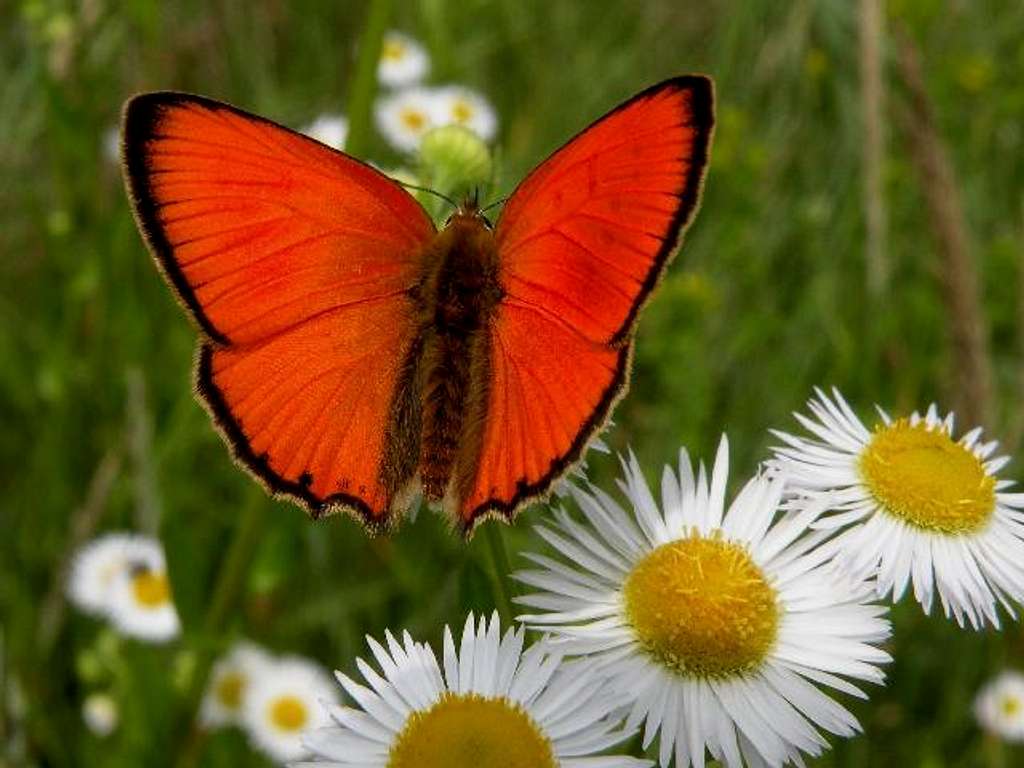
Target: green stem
993	752
502	570
229	586
236	563
364	85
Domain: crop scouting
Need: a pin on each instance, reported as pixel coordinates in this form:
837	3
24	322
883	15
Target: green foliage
766	301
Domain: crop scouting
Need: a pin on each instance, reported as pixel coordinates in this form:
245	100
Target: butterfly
354	357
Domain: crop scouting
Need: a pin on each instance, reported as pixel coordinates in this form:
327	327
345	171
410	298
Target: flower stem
364	84
236	562
226	591
502	569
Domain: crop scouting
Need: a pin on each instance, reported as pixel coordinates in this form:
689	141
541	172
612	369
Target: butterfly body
442	393
353	356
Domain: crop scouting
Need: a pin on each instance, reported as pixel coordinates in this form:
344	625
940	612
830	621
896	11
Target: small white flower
112	145
328	129
403	61
912	506
999	706
493	705
141	604
98	565
100	713
722	626
404	117
231	678
458	105
283	703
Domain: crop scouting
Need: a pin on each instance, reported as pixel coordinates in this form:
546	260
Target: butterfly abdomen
456	301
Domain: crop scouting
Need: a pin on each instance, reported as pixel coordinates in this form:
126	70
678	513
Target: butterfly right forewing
581	243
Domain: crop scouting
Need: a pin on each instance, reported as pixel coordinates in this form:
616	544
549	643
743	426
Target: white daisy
328	129
493	706
230	680
285	702
404	117
912	506
100	713
98	565
458	105
999	706
141	604
403	61
718	624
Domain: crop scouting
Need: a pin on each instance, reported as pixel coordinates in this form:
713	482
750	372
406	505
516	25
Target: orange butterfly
353	356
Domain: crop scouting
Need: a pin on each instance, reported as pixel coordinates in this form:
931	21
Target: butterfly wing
295	261
581	243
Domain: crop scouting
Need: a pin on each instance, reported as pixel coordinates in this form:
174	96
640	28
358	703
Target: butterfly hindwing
295	260
581	243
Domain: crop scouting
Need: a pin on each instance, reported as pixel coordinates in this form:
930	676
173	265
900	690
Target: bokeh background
863	226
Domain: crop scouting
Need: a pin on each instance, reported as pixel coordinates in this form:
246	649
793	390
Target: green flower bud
89	667
454	160
108	645
183	670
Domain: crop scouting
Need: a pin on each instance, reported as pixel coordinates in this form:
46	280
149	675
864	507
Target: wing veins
292	326
550	292
528	372
212	181
233	148
262	257
330	289
270	142
562	233
555	173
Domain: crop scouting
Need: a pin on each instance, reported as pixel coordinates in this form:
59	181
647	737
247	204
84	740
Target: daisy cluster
277	701
122	577
409	110
710	628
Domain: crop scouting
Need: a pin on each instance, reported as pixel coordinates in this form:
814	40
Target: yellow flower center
151	588
288	713
229	690
471	731
462	111
925	479
1011	706
393	50
702	607
413	119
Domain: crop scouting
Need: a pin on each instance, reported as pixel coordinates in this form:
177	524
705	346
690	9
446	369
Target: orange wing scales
581	244
295	260
537	404
305	270
314	409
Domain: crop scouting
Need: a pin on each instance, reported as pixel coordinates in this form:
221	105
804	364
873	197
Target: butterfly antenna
496	202
443	196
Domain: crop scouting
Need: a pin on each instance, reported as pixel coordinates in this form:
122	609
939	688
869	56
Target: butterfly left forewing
258	227
296	261
581	243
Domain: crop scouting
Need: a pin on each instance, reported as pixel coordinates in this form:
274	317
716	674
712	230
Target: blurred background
862	226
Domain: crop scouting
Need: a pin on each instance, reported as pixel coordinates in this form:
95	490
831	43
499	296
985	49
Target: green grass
767	300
